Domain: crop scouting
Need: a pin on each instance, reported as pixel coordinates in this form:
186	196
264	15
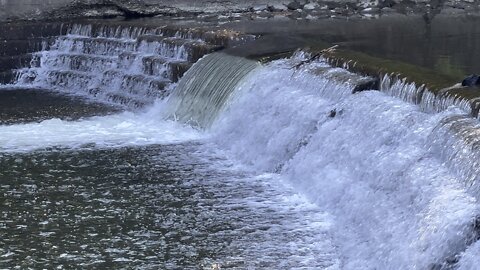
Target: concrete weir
430	88
186	143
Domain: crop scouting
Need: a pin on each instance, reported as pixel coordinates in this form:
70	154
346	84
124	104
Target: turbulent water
291	171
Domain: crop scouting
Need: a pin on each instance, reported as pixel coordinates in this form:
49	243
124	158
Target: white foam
125	129
274	112
394	203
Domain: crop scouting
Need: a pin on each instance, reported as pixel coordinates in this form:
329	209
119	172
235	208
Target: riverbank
18	10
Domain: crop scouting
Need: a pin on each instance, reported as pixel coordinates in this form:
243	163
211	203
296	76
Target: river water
291	170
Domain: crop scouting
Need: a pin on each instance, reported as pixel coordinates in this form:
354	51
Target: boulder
276	8
294	5
310	6
471	80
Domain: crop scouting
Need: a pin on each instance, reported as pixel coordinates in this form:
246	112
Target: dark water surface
155	207
35	105
447	44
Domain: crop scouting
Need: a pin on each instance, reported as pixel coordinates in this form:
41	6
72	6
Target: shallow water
152	207
19	105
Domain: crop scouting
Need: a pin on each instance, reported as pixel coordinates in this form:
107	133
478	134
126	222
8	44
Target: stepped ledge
272	31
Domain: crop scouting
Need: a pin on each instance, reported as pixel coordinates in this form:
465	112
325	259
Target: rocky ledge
223	9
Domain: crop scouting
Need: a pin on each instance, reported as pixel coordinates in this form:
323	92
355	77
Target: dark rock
387	10
406	6
472	80
370	84
386	3
294	5
264	14
297	14
276	8
334	113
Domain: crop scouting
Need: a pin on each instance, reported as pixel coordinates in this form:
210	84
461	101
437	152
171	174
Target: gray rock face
35	9
60	9
294	5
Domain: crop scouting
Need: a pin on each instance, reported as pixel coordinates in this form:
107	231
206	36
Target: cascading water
420	95
374	163
389	186
206	88
128	66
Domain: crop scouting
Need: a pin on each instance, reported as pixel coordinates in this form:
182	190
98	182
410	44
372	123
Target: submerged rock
472	80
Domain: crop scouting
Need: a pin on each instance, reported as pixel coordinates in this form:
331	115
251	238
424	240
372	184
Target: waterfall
123	65
205	89
421	95
400	179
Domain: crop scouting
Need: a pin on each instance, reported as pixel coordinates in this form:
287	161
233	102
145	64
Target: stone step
176	70
127	101
216	37
175	48
194	49
19	47
108	29
15	62
158	66
7	77
133	30
81	62
143	86
32	30
134	84
93	46
70	80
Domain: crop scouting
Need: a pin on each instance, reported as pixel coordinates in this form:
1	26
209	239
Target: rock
294	5
280	18
297	14
334	113
259	8
387	10
471	80
310	6
386	3
367	84
276	8
370	10
264	14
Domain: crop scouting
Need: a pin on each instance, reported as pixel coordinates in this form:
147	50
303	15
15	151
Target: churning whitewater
377	171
